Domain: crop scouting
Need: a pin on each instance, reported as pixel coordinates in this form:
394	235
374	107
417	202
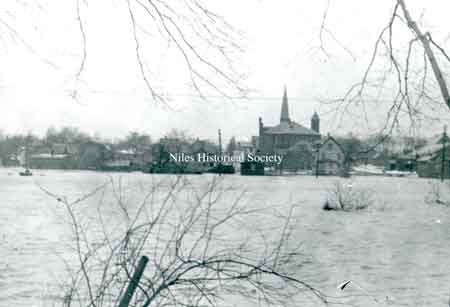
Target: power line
272	98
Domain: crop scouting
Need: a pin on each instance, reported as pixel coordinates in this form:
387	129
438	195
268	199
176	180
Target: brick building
290	139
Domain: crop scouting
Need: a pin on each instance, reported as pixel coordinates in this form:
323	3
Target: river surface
396	252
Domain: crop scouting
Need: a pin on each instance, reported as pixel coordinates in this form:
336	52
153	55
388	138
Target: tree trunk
424	39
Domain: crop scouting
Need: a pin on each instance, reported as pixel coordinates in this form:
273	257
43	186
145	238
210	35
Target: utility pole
220	142
317	148
444	141
220	153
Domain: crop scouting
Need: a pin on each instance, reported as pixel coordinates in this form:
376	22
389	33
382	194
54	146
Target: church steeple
284	108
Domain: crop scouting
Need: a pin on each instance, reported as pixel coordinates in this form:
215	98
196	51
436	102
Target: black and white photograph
206	153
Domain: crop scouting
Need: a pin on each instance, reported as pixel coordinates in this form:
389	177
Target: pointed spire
284	108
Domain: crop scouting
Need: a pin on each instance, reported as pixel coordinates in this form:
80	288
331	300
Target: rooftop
290	127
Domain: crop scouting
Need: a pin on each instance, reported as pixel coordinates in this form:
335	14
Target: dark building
434	159
92	155
406	162
290	139
252	168
54	156
330	158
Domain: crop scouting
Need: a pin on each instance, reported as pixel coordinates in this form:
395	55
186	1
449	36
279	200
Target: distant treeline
368	148
11	144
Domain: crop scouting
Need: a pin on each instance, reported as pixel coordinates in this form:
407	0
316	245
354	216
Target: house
434	166
11	161
161	158
240	152
405	162
299	156
119	160
245	147
203	146
52	161
289	139
92	155
55	156
330	158
161	151
434	158
402	153
255	142
146	156
251	168
65	149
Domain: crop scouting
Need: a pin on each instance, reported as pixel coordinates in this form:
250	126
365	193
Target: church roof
290	127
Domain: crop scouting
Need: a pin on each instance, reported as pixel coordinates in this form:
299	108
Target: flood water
396	252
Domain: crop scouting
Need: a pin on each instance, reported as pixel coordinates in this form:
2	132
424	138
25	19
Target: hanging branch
208	46
425	39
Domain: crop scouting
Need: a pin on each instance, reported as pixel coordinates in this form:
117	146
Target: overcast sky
281	48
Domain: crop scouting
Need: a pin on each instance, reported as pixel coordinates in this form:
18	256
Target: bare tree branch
195	258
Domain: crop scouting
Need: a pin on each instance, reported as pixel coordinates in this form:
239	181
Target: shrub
439	193
345	197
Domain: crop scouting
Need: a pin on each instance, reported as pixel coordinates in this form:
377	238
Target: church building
290	139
